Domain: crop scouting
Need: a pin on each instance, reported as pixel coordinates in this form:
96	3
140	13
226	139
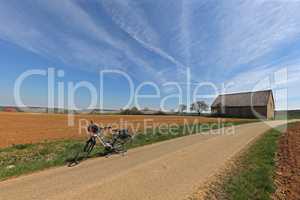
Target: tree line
198	106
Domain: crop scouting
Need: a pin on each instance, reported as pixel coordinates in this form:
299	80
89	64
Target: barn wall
271	108
262	111
242	112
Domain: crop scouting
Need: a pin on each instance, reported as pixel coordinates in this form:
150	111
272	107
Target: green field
291	114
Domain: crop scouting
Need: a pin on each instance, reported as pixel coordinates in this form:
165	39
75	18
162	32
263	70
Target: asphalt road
172	170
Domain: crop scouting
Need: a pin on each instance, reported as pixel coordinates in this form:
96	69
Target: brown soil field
22	128
288	167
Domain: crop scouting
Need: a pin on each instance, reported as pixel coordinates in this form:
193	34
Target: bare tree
199	107
182	108
146	109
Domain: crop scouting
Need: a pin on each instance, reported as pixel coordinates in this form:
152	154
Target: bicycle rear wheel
119	147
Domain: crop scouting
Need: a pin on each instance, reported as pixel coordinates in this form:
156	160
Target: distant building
9	109
259	104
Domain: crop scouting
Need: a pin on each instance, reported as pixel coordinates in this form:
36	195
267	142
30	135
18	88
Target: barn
258	104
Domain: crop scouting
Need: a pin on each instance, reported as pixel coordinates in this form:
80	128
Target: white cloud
212	39
266	77
64	31
252	29
76	19
36	33
137	26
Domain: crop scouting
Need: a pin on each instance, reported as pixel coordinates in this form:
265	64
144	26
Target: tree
182	108
132	111
160	112
199	107
146	109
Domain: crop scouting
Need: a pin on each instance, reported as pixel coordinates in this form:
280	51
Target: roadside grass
22	159
252	177
26	158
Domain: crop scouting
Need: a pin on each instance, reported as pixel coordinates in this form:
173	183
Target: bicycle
117	144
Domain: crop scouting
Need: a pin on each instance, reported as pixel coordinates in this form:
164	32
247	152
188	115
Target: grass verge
252	176
27	158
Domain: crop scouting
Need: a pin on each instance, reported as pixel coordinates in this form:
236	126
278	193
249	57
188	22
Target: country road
172	170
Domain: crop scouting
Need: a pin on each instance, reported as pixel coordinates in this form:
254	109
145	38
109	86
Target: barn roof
258	98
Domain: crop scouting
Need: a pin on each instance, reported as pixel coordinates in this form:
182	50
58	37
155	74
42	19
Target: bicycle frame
100	138
110	144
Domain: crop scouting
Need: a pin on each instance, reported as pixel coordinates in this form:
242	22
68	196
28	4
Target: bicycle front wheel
88	148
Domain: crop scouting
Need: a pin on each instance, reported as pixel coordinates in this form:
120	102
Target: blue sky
251	44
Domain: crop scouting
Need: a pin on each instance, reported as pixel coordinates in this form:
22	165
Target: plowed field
21	128
288	169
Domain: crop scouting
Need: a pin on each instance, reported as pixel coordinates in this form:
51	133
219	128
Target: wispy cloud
237	40
284	76
70	35
287	72
253	29
137	27
33	31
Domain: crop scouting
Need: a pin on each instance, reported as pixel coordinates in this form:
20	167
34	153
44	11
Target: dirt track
21	128
169	170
